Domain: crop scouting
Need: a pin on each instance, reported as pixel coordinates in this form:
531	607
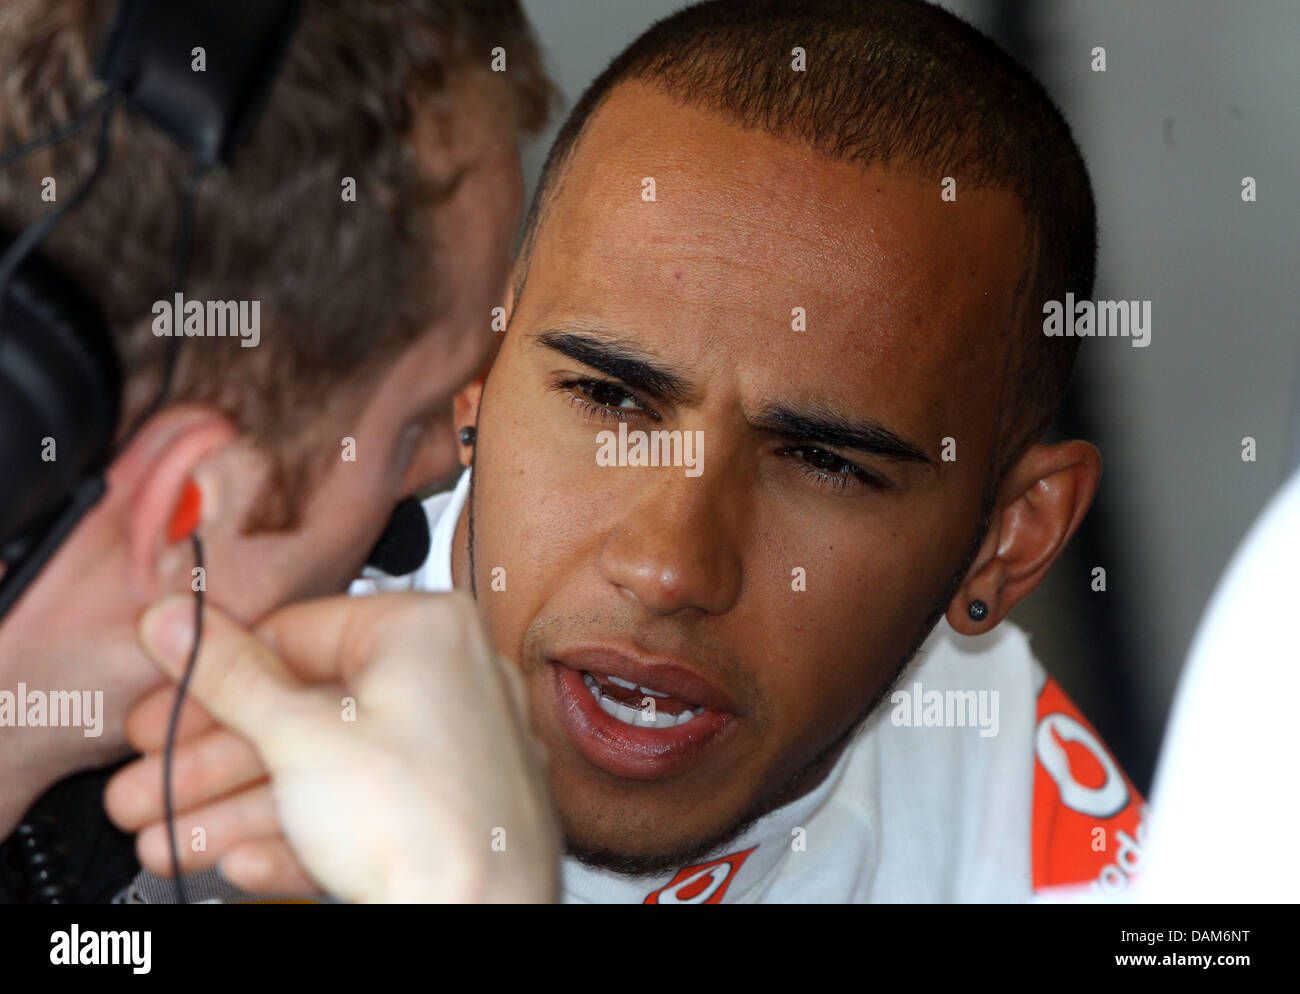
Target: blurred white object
1224	804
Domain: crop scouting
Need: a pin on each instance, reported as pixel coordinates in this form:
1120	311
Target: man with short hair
370	216
764	429
863	361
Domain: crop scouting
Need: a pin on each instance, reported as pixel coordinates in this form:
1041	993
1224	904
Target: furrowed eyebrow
621	361
827	428
641	372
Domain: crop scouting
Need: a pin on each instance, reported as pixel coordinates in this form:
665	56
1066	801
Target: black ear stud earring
467	436
977	610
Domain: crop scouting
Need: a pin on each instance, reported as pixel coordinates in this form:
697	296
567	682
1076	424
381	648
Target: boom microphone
404	545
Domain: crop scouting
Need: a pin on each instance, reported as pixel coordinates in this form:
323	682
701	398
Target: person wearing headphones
250	254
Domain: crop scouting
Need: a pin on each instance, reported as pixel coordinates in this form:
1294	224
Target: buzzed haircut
901	83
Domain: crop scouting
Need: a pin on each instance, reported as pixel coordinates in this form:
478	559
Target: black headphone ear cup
60	394
60	382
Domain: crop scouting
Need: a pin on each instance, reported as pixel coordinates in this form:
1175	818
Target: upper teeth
637	716
628	685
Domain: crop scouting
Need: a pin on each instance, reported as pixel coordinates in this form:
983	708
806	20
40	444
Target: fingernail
167	631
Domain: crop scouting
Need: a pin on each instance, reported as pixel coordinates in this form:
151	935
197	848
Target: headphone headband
153	56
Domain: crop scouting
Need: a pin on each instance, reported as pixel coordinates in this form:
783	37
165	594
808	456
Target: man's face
387	437
780	588
404	435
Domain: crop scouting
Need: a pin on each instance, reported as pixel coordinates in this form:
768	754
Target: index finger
236	676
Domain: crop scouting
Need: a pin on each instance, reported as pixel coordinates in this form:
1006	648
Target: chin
634	848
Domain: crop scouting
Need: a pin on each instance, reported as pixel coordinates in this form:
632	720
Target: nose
674	549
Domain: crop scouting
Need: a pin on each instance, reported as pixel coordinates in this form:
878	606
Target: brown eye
829	469
825	461
609	395
604	400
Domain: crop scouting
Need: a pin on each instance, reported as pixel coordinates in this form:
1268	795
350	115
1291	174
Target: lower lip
627	751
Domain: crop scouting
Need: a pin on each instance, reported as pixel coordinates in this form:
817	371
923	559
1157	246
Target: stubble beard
806	779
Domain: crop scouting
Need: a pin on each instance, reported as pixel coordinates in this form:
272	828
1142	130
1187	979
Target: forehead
898	285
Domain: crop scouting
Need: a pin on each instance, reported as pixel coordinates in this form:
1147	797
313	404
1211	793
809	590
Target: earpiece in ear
185	519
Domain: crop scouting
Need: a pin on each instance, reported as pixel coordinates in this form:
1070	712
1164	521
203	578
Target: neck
58	716
460	564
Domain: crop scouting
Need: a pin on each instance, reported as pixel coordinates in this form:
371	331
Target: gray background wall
1197	94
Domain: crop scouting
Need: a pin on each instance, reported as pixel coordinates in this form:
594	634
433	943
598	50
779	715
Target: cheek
540	503
827	640
835	634
518	514
340	526
273	570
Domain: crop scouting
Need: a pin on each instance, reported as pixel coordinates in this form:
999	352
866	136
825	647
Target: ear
466	414
1040	505
173	450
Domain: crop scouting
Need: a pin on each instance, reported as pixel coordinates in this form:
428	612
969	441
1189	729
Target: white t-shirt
977	781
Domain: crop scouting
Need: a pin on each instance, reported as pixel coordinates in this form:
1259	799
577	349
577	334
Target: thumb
236	677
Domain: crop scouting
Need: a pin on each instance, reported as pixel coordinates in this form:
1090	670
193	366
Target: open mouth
640	707
644	721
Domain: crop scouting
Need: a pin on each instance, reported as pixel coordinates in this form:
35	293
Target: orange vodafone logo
1082	801
703	883
1055	732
